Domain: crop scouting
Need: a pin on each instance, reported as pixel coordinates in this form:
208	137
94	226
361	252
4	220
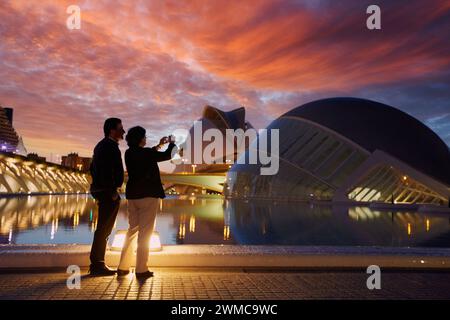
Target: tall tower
9	140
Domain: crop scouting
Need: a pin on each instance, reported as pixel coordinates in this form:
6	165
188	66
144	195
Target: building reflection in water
73	219
198	221
192	223
226	222
297	223
43	215
181	229
226	232
190	220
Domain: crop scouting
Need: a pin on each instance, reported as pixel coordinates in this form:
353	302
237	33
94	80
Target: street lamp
119	240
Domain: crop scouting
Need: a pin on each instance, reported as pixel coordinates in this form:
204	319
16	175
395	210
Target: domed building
350	150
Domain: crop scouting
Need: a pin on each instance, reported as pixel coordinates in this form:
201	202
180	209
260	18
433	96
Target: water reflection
302	224
45	219
73	219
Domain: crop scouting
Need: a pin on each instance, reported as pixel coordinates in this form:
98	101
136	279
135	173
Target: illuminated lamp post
119	240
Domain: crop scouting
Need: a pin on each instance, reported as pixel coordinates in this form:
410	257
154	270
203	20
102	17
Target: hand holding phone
163	141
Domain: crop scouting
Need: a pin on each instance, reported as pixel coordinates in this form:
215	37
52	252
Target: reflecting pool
72	219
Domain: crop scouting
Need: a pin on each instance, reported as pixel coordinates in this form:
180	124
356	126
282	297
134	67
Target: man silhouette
107	176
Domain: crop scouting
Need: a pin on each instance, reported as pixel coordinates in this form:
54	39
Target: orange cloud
156	63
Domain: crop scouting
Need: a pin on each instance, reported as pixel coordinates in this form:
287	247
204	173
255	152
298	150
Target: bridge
210	181
18	174
22	175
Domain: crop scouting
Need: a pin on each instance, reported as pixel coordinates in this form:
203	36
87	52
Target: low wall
53	256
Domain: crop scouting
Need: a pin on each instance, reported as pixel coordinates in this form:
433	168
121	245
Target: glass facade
9	139
347	150
386	184
313	164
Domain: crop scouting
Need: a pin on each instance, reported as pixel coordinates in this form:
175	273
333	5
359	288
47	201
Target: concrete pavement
228	283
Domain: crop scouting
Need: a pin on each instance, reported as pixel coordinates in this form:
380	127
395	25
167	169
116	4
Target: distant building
74	161
36	157
21	150
213	118
350	150
9	139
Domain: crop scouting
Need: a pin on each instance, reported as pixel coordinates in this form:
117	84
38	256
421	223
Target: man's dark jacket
106	168
143	172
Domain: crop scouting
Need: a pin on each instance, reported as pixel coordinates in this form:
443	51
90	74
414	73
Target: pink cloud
156	63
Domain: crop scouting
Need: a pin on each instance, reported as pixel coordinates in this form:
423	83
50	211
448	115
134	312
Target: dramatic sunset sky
157	63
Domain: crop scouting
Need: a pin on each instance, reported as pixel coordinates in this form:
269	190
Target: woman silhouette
143	190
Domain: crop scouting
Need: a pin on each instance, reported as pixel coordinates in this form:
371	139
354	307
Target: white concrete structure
21	175
210	181
348	150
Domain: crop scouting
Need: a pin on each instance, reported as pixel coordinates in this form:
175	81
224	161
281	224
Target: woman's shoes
139	275
122	273
144	275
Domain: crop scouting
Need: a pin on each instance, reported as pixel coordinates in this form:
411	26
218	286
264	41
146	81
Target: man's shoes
122	273
144	275
101	270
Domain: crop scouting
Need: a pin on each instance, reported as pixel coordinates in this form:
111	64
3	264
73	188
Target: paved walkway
175	283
